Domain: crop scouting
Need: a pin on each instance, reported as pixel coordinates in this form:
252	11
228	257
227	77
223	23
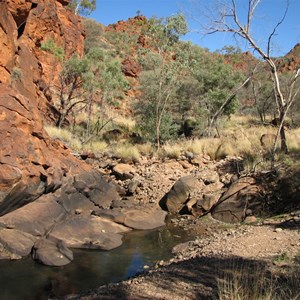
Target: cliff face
30	162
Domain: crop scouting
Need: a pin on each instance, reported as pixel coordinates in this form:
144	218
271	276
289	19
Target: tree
228	19
161	71
218	84
83	7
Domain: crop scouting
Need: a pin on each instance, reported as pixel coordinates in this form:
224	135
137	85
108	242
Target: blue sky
268	13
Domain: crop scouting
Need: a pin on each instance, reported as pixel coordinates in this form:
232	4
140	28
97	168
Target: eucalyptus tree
218	86
163	63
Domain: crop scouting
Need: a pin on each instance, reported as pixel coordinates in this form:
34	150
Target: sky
268	14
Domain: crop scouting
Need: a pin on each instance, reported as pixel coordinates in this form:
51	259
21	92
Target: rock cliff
25	25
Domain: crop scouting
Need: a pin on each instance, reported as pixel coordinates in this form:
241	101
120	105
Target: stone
131	68
132	186
242	194
123	171
208	201
180	193
250	220
52	252
96	189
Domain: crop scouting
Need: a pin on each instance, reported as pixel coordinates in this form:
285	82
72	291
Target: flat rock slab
145	218
17	242
90	232
35	218
140	217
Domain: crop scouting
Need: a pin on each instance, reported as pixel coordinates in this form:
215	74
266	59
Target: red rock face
25	25
30	162
131	68
8	37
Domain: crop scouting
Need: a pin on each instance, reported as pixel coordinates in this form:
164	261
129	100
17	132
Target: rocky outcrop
30	162
47	196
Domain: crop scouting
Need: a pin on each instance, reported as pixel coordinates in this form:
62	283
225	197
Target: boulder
180	193
89	232
52	252
138	217
123	171
242	194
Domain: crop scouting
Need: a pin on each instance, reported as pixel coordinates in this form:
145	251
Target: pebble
278	229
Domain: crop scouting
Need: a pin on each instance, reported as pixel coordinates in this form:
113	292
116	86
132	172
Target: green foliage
159	79
96	76
83	7
147	121
123	42
51	47
216	81
165	33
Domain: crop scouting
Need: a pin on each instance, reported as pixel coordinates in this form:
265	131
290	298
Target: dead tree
227	19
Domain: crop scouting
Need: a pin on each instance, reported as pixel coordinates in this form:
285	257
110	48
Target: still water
25	279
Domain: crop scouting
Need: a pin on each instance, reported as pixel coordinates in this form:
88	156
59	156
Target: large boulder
243	194
181	192
52	252
144	218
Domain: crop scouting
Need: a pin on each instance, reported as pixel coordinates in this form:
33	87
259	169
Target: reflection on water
25	279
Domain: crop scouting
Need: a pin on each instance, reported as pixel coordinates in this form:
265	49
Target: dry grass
127	152
239	136
146	149
242	283
170	150
125	123
65	136
96	146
